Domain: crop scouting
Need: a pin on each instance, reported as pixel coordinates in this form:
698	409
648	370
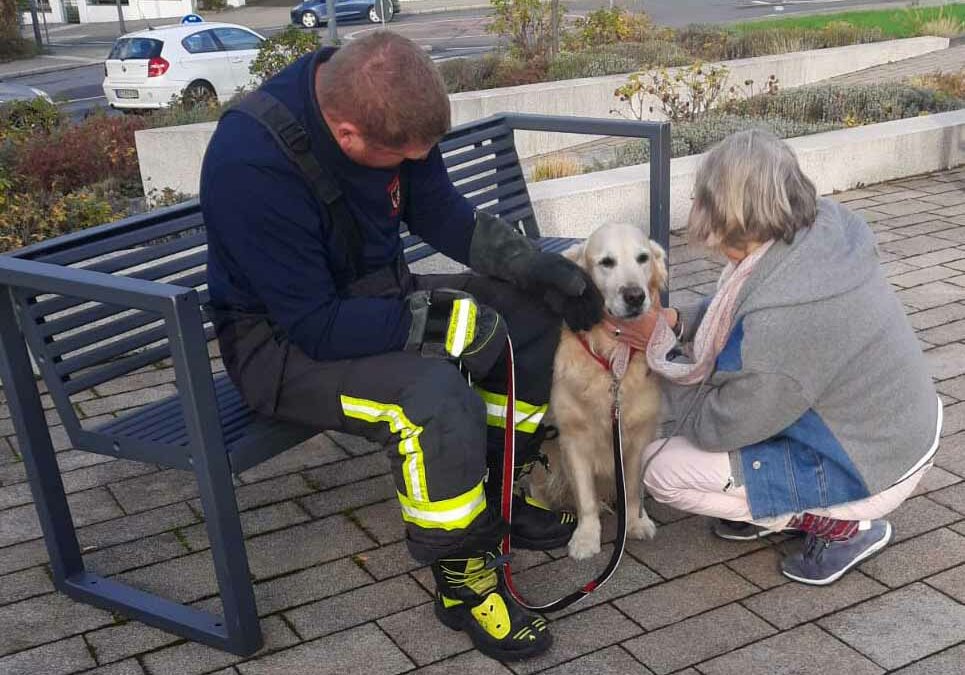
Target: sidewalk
339	594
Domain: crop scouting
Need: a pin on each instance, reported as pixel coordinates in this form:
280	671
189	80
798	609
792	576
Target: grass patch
893	23
555	166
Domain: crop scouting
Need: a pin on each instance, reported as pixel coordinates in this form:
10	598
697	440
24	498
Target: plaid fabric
828	529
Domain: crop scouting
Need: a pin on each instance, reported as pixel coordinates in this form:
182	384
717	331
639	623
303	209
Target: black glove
498	250
450	324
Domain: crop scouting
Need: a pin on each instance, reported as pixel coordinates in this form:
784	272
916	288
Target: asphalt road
448	35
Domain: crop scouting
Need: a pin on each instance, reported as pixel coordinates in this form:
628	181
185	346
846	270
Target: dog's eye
608	262
642	258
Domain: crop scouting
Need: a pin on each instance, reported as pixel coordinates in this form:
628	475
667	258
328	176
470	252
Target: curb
443	10
46	69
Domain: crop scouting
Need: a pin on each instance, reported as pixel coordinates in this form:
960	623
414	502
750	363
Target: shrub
864	104
27	217
616	59
608	27
525	24
281	50
692	138
951	84
19	119
470	74
555	166
945	27
73	156
712	43
684	95
212	5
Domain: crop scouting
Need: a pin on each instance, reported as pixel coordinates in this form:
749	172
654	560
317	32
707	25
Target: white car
199	60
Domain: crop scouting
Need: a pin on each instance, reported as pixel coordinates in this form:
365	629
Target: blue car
312	13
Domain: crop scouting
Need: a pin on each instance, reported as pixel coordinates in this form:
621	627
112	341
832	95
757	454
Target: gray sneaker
822	562
734	530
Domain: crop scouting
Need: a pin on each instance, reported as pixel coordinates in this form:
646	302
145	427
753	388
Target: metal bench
101	303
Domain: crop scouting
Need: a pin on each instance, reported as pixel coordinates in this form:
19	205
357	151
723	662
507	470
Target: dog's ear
658	268
577	254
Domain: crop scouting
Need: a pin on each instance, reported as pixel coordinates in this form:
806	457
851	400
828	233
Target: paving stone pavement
338	593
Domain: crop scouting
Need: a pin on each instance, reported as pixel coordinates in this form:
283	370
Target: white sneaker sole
870	551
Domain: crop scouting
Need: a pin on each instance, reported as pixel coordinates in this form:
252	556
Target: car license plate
127	93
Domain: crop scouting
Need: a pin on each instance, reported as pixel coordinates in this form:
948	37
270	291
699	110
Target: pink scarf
713	331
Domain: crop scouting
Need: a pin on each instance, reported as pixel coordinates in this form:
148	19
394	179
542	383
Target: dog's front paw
585	541
642	528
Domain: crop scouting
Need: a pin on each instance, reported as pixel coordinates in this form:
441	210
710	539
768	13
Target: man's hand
451	324
498	250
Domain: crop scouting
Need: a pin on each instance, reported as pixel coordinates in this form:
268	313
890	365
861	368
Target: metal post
120	17
35	20
332	24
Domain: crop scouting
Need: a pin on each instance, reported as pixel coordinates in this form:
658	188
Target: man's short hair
389	88
750	188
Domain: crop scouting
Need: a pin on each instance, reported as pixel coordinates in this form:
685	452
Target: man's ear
346	134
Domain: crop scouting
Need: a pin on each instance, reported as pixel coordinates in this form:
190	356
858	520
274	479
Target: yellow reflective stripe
528	416
413	466
448	514
462	326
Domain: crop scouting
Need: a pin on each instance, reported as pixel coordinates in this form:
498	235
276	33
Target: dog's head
628	268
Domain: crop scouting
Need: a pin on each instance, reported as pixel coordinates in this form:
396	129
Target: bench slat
493	164
497	131
458	159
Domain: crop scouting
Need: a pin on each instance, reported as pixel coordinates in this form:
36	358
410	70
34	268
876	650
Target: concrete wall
835	161
171	157
136	9
593	96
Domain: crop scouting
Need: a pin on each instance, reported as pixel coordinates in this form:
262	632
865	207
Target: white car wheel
309	20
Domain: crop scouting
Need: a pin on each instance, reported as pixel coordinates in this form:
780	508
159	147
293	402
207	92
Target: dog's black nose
634	296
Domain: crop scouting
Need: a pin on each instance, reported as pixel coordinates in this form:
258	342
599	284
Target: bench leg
239	633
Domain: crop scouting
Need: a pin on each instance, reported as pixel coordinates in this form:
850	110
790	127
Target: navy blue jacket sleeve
267	223
436	211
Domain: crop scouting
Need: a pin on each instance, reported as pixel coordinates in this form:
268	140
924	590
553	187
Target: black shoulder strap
295	142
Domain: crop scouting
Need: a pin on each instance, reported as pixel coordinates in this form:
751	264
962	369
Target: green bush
849	104
526	25
693	138
489	72
281	50
713	43
617	59
29	217
607	27
19	119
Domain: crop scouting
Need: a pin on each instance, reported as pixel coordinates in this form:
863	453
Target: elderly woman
804	402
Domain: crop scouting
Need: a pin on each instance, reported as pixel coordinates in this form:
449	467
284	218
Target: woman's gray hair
750	188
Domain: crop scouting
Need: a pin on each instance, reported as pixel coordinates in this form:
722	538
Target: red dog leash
509	459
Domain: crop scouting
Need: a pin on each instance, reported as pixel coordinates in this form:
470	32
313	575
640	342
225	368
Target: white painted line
80	100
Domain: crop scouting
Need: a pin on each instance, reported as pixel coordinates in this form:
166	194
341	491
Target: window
200	43
136	48
235	39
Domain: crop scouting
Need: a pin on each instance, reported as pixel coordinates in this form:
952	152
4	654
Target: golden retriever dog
630	270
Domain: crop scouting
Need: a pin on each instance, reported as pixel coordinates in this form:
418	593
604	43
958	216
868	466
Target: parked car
197	61
311	13
20	92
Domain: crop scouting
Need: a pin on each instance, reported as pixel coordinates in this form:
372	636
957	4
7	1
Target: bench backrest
80	344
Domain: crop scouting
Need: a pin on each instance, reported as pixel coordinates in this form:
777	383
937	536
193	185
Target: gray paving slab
761	568
790	605
422	637
919	515
685	597
609	661
316	451
254	522
935	479
154	490
20	524
469	662
22	556
901	626
356	607
55	658
359	651
687	545
949	661
46	618
305	545
349	497
806	650
122	641
588	631
24	584
129	667
698	638
140	553
922	556
192	658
